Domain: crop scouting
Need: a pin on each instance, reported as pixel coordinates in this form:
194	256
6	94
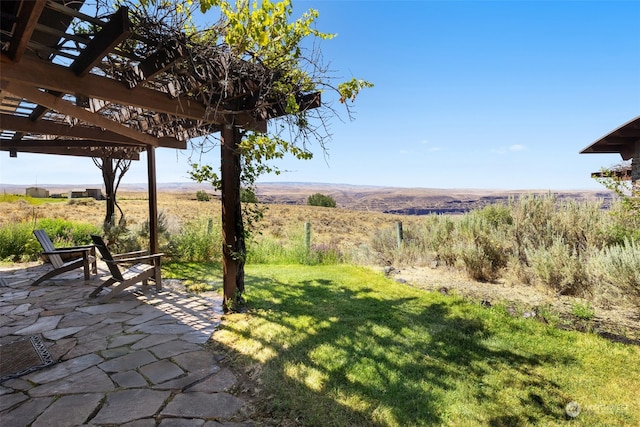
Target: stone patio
139	360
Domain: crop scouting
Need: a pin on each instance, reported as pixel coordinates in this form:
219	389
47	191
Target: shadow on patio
139	359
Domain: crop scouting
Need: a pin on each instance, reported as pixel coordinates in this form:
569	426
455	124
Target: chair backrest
47	246
106	255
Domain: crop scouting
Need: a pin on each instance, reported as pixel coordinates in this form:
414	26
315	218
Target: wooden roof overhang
621	140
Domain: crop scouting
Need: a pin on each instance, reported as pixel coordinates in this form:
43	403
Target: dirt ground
620	323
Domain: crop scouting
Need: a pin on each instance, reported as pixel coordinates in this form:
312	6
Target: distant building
95	193
36	192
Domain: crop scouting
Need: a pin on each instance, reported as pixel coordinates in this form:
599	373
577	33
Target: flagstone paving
139	360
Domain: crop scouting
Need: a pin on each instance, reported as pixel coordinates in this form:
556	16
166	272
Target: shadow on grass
358	357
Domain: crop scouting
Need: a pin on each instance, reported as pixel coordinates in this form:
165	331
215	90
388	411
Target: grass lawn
337	345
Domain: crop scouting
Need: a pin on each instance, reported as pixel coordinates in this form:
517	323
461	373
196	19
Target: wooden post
153	200
307	235
399	234
230	174
635	170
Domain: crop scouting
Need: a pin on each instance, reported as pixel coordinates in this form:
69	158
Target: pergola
119	89
625	141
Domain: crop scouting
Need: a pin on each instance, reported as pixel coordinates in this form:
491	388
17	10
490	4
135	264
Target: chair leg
86	266
106	283
46	276
157	277
55	272
115	291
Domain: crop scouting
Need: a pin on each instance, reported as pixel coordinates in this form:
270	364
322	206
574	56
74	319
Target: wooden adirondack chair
75	257
141	268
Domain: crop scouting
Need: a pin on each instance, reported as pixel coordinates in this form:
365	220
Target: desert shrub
202	196
323	200
119	237
439	235
624	223
198	241
83	201
142	233
618	266
495	216
580	224
484	247
560	268
532	222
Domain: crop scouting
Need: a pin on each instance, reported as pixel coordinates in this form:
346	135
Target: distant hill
408	201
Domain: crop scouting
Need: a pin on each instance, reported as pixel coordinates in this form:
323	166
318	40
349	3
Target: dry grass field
347	229
342	227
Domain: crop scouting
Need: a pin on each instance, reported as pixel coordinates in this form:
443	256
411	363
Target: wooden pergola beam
112	33
35	72
60	105
28	19
49	127
82	151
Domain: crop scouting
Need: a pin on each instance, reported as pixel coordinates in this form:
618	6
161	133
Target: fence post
399	233
307	235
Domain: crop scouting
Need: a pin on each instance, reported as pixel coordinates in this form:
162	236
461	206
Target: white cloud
512	148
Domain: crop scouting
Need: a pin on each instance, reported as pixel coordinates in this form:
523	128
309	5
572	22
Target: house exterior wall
36	192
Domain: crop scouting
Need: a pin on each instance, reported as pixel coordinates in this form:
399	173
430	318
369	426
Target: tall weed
415	248
198	241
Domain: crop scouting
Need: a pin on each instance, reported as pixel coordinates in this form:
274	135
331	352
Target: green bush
323	200
248	196
17	242
68	233
202	196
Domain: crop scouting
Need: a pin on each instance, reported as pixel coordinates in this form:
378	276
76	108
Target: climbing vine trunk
109	179
233	249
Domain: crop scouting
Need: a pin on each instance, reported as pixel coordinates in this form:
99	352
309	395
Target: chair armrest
81	247
129	254
134	259
67	251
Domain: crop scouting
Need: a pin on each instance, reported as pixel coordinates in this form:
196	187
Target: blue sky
468	94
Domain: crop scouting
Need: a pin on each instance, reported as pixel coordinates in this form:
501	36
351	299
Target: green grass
338	345
197	276
12	198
